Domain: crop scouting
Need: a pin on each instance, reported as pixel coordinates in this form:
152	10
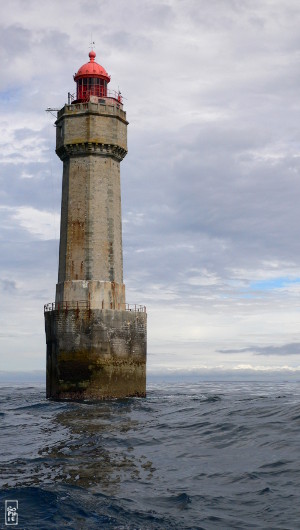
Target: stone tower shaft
91	140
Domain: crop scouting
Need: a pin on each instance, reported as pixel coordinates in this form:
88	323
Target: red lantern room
91	80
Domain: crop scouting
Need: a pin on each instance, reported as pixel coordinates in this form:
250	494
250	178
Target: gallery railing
85	305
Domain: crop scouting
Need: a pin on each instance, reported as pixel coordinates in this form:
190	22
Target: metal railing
108	93
86	305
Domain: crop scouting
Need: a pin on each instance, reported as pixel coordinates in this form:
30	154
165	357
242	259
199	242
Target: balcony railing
85	95
86	306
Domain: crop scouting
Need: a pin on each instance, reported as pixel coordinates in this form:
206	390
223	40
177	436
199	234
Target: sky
210	185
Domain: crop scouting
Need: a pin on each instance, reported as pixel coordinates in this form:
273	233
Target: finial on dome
92	55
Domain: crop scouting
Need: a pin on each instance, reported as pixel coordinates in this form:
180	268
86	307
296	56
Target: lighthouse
96	341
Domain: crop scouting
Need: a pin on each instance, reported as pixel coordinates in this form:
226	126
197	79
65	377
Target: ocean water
189	456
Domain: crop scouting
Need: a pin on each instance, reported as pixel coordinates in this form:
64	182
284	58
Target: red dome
92	69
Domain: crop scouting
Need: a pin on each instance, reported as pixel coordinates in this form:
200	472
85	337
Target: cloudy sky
210	186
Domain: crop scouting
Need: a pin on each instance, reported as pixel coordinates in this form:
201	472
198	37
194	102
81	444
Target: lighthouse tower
96	342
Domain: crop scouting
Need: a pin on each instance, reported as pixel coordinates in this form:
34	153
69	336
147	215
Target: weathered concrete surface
95	349
99	295
96	354
91	140
110	130
91	225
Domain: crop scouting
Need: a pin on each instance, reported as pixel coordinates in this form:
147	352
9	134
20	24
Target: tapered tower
96	342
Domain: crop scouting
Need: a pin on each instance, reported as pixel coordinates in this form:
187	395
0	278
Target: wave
199	457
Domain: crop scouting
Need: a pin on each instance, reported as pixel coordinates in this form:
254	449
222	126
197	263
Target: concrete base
95	354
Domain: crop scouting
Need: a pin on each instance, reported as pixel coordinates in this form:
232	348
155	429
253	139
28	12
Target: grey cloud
33	155
215	375
22	255
58	40
14	41
284	350
8	285
126	40
25	132
43	190
213	162
220	199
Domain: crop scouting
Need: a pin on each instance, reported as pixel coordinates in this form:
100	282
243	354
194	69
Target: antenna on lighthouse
52	111
92	42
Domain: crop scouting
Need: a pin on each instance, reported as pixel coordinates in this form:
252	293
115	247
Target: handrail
103	94
85	305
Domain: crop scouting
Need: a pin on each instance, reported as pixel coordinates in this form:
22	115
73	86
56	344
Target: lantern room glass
91	86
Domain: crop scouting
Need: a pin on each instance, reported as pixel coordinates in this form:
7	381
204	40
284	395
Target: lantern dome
92	69
91	80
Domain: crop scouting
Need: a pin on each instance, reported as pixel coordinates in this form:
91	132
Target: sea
204	455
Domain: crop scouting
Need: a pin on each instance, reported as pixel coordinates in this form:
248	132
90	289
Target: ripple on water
191	456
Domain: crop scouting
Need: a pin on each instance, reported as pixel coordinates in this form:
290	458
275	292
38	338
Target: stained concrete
95	348
91	223
95	354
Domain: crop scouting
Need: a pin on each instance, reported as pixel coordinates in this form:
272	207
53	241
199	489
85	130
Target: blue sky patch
274	283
